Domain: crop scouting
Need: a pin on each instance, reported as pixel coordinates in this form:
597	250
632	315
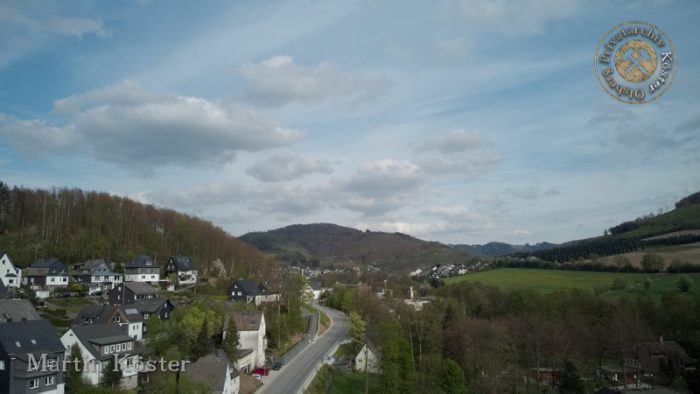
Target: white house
10	275
367	359
97	274
216	370
46	273
251	334
142	269
100	343
184	268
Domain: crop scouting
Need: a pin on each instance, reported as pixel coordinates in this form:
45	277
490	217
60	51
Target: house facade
649	358
46	273
22	345
100	343
184	268
367	359
142	269
130	292
216	370
112	314
251	334
10	275
250	292
97	274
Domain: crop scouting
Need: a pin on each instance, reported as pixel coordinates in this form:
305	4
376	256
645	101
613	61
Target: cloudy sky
463	121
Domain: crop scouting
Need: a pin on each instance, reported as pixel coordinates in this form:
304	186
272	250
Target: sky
460	121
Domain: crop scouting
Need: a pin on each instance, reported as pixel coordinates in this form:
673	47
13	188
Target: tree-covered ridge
75	225
311	243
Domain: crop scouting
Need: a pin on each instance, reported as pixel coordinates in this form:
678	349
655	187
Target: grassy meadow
548	281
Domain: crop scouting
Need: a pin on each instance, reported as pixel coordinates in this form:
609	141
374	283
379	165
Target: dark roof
245	320
17	310
183	263
102	314
142	261
100	334
650	354
211	369
45	262
247	286
33	336
140	288
92	265
316	285
46	266
149	305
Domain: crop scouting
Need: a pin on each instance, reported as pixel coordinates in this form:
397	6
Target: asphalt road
291	378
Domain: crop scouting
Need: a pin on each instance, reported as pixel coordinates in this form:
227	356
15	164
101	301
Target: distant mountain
496	249
330	243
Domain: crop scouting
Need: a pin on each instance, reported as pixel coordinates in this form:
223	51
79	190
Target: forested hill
76	225
313	243
496	249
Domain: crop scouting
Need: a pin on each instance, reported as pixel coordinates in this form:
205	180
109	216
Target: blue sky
462	121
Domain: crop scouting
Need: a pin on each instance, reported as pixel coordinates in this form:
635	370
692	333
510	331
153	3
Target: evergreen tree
74	369
231	341
111	374
452	378
202	345
570	382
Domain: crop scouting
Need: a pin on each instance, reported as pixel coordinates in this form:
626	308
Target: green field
549	281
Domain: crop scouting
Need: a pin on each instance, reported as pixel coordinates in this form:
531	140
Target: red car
261	371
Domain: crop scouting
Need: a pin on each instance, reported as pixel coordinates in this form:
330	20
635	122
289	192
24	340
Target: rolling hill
496	249
329	243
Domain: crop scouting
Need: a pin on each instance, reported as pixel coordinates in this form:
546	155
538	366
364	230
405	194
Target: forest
76	225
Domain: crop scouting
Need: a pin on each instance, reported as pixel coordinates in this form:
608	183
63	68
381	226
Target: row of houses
50	273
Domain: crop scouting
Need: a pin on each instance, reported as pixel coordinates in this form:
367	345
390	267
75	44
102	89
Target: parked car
277	366
261	371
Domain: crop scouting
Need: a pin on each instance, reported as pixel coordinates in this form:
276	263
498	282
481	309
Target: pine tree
74	369
231	341
111	374
452	378
202	345
570	381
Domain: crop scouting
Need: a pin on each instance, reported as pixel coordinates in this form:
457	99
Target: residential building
107	314
17	310
162	308
649	357
97	274
129	292
142	269
184	268
216	370
46	273
251	334
100	343
10	275
246	290
23	346
367	359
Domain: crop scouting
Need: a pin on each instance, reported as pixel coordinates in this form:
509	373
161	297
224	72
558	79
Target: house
100	343
23	346
367	359
97	274
46	273
649	357
10	276
17	310
160	307
129	292
142	269
216	370
185	269
251	334
246	290
108	314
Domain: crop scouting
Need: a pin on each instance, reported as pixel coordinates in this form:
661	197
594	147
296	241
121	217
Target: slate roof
99	334
140	288
102	314
91	266
245	320
33	336
150	305
17	310
211	369
248	287
183	263
142	261
650	354
47	266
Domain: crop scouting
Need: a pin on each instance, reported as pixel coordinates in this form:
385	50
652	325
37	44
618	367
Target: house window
129	362
2	365
143	276
119	347
111	348
128	346
65	279
49	380
34	383
106	350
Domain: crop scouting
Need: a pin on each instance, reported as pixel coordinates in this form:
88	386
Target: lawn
549	281
333	381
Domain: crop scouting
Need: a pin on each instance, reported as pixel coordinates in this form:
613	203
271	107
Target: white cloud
35	137
280	168
129	126
461	151
279	81
452	48
53	24
532	192
512	17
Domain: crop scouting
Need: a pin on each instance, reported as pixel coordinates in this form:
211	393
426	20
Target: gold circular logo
635	61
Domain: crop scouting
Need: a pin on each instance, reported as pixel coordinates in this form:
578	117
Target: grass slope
683	218
548	281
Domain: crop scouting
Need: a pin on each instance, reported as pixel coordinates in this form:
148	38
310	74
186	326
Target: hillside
496	249
330	243
75	225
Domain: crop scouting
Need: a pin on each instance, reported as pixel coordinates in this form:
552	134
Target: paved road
291	378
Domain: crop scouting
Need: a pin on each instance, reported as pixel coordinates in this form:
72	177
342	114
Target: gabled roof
17	310
212	369
47	266
650	354
142	261
46	262
247	286
102	314
183	263
150	305
93	335
31	336
245	320
140	288
92	265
